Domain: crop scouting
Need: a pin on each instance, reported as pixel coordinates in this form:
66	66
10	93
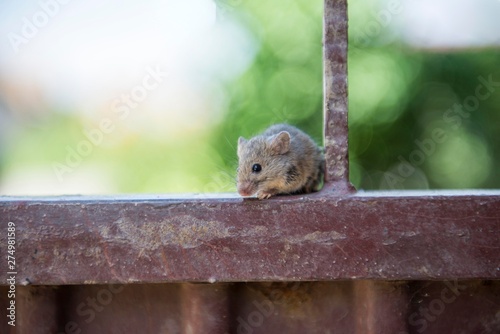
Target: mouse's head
262	164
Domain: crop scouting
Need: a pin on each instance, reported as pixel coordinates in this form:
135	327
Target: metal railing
335	261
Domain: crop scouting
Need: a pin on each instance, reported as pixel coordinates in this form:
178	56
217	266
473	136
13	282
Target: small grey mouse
281	160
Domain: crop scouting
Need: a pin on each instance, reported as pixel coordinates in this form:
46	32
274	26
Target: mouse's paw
264	195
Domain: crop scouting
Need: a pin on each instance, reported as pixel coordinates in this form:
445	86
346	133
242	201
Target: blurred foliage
284	84
418	97
397	97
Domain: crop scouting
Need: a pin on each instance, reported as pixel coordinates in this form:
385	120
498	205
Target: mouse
281	160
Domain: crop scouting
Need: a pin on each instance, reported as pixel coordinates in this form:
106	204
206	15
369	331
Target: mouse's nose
246	188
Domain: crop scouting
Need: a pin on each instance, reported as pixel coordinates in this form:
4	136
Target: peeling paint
185	231
318	237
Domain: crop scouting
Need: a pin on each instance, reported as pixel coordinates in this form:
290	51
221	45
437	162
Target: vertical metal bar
205	308
335	96
38	310
381	307
5	302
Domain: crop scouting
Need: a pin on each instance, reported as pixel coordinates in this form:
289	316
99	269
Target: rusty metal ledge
147	239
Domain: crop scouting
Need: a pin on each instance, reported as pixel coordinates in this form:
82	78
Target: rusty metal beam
83	240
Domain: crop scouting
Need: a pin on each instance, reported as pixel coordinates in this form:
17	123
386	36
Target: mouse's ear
241	141
280	143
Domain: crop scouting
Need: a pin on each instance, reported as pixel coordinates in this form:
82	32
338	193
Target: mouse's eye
256	168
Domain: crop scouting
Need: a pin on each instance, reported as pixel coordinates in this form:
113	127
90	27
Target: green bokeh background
397	97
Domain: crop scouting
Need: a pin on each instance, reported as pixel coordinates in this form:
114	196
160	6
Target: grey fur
291	163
